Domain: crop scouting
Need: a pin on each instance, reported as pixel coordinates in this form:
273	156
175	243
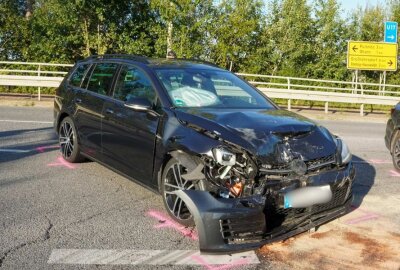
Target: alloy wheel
396	153
173	181
66	139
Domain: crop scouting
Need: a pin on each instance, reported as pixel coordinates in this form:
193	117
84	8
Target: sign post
375	56
390	32
365	55
390	36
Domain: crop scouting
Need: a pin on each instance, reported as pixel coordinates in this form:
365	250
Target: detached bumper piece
234	225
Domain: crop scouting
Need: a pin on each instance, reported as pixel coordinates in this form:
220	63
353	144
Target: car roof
181	63
156	63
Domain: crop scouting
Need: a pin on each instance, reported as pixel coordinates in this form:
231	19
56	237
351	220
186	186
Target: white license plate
307	196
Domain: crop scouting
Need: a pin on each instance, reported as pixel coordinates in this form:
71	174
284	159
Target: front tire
171	181
396	151
68	141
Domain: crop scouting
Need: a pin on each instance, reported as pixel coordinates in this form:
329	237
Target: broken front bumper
232	225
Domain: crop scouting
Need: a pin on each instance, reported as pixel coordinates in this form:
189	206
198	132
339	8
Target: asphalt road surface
56	215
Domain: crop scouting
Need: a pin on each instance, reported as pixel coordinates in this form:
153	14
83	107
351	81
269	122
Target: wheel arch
167	157
62	116
396	131
187	159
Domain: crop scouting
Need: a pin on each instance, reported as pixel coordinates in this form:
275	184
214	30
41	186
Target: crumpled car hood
267	134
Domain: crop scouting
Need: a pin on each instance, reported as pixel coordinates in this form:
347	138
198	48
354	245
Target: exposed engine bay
231	174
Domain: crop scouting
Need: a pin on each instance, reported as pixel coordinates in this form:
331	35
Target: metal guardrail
290	88
355	92
35	81
32	74
294	83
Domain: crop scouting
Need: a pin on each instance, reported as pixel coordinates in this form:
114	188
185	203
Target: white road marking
148	257
14	151
25	121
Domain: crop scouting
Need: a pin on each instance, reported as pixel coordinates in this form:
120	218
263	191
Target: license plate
307	196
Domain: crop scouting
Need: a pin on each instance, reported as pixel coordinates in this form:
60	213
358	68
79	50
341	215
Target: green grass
27	90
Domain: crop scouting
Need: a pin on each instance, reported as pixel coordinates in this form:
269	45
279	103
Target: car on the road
392	136
222	155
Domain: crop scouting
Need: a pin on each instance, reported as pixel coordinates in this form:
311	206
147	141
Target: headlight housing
344	152
224	157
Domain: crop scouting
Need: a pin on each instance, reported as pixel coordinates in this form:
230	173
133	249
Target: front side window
210	88
77	76
132	83
102	77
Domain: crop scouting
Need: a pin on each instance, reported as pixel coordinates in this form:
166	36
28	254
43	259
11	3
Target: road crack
43	238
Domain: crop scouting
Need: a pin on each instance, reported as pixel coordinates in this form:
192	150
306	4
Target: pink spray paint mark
379	161
361	219
62	162
201	261
367	216
394	173
41	149
169	223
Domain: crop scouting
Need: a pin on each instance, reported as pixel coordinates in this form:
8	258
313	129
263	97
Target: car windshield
210	88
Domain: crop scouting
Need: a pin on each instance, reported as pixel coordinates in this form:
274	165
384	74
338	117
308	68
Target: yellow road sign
367	55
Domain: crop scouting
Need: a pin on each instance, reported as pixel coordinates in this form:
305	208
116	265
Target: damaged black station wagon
223	156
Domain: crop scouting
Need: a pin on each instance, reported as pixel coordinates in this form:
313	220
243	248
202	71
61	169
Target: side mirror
138	104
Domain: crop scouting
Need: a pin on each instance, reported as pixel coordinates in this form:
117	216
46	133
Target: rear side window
87	77
102	77
133	83
78	75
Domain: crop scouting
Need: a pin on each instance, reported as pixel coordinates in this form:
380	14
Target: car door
129	135
75	83
89	107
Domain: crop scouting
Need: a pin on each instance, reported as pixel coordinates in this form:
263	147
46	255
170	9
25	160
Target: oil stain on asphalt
336	247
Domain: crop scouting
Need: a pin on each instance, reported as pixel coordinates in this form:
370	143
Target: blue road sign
391	32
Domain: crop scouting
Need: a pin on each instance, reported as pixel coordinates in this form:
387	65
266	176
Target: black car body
392	136
244	170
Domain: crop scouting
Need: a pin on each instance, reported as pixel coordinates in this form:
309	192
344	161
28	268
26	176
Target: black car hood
271	135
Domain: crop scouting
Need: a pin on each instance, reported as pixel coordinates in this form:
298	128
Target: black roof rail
134	57
198	61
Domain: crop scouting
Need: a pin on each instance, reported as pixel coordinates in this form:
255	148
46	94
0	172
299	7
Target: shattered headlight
224	157
346	155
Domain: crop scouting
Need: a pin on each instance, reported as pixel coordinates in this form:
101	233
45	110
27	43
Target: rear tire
171	180
68	141
396	151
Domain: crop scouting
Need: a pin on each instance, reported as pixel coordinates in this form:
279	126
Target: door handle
78	100
109	111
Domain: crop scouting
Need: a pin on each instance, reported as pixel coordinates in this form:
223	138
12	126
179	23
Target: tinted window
210	88
101	79
78	74
87	77
132	83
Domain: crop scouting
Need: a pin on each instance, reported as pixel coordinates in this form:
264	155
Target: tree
78	30
371	24
29	8
183	26
330	41
292	35
235	32
13	29
394	6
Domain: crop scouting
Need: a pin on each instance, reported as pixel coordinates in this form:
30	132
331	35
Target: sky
349	5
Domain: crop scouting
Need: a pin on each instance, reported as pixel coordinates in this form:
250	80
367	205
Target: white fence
290	88
32	74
